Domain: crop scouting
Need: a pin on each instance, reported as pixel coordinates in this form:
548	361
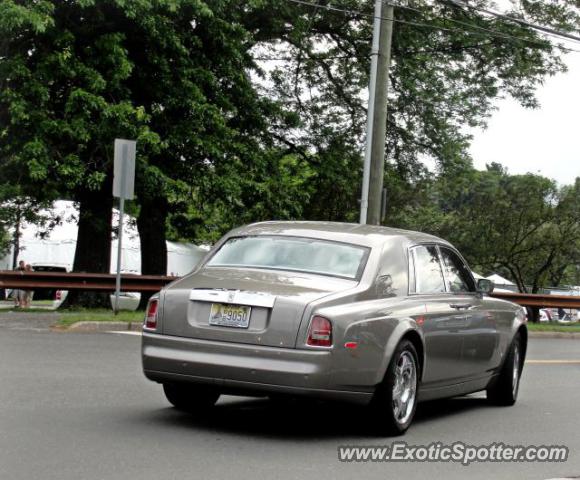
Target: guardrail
535	300
153	283
82	281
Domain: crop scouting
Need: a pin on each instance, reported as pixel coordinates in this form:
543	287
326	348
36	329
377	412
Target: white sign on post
123	187
124	174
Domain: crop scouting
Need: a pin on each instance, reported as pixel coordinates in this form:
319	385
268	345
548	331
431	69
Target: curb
96	327
566	335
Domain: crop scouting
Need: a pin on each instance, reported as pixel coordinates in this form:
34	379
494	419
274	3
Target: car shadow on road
302	419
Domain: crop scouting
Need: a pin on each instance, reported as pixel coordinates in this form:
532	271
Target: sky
545	140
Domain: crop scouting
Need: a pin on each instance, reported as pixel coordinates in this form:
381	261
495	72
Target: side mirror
485	286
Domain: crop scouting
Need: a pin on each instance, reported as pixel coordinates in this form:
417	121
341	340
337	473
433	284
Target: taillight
320	332
151	317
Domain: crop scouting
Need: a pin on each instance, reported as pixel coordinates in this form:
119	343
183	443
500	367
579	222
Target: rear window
294	254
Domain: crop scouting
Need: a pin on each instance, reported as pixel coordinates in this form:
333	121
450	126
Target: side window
428	274
458	275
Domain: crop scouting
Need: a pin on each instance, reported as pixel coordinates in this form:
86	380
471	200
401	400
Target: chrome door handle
460	306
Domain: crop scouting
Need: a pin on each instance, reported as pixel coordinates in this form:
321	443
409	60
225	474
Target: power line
318	57
484	32
525	23
360	56
369	15
493	32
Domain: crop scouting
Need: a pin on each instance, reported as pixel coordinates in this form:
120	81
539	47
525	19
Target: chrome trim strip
236	297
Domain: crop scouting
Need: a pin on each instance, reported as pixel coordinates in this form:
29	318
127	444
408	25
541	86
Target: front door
480	334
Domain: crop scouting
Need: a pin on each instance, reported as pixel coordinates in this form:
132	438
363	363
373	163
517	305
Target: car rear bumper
244	369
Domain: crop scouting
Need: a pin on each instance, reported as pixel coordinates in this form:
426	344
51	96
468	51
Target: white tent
499	280
58	247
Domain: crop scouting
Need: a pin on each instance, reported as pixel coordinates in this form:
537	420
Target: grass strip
99	315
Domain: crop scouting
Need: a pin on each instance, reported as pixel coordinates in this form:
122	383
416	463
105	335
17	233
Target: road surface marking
553	362
124	332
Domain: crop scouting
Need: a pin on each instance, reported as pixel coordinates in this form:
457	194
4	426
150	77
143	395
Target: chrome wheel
404	387
516	370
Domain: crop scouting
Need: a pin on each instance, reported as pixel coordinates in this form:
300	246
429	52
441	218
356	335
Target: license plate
224	315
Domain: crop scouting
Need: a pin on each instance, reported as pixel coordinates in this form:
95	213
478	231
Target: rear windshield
294	254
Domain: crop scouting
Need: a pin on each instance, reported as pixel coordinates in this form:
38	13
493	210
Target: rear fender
517	324
365	334
403	328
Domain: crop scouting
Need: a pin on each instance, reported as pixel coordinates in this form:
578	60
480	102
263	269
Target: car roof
354	233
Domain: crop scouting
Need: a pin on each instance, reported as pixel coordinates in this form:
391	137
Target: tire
504	390
395	401
190	398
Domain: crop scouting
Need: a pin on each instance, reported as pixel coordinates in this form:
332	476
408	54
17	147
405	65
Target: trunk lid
274	302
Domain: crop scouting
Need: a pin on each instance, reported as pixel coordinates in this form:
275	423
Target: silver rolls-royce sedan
359	313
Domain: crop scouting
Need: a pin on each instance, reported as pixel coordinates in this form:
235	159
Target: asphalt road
76	406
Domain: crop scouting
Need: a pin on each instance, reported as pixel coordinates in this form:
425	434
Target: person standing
27	294
18	294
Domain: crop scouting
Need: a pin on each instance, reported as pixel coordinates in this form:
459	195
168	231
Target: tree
565	268
64	100
521	226
16	209
508	220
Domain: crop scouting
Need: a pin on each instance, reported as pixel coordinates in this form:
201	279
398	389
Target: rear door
442	324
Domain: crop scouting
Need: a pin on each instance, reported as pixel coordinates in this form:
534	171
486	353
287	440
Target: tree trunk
151	226
93	250
542	271
557	275
516	276
534	314
16	241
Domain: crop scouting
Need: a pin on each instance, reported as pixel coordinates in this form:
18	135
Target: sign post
123	188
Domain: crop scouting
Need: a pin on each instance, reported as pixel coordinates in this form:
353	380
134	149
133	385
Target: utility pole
374	162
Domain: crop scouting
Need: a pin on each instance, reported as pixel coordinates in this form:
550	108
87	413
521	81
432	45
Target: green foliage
521	226
64	94
550	327
36	16
334	185
276	189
